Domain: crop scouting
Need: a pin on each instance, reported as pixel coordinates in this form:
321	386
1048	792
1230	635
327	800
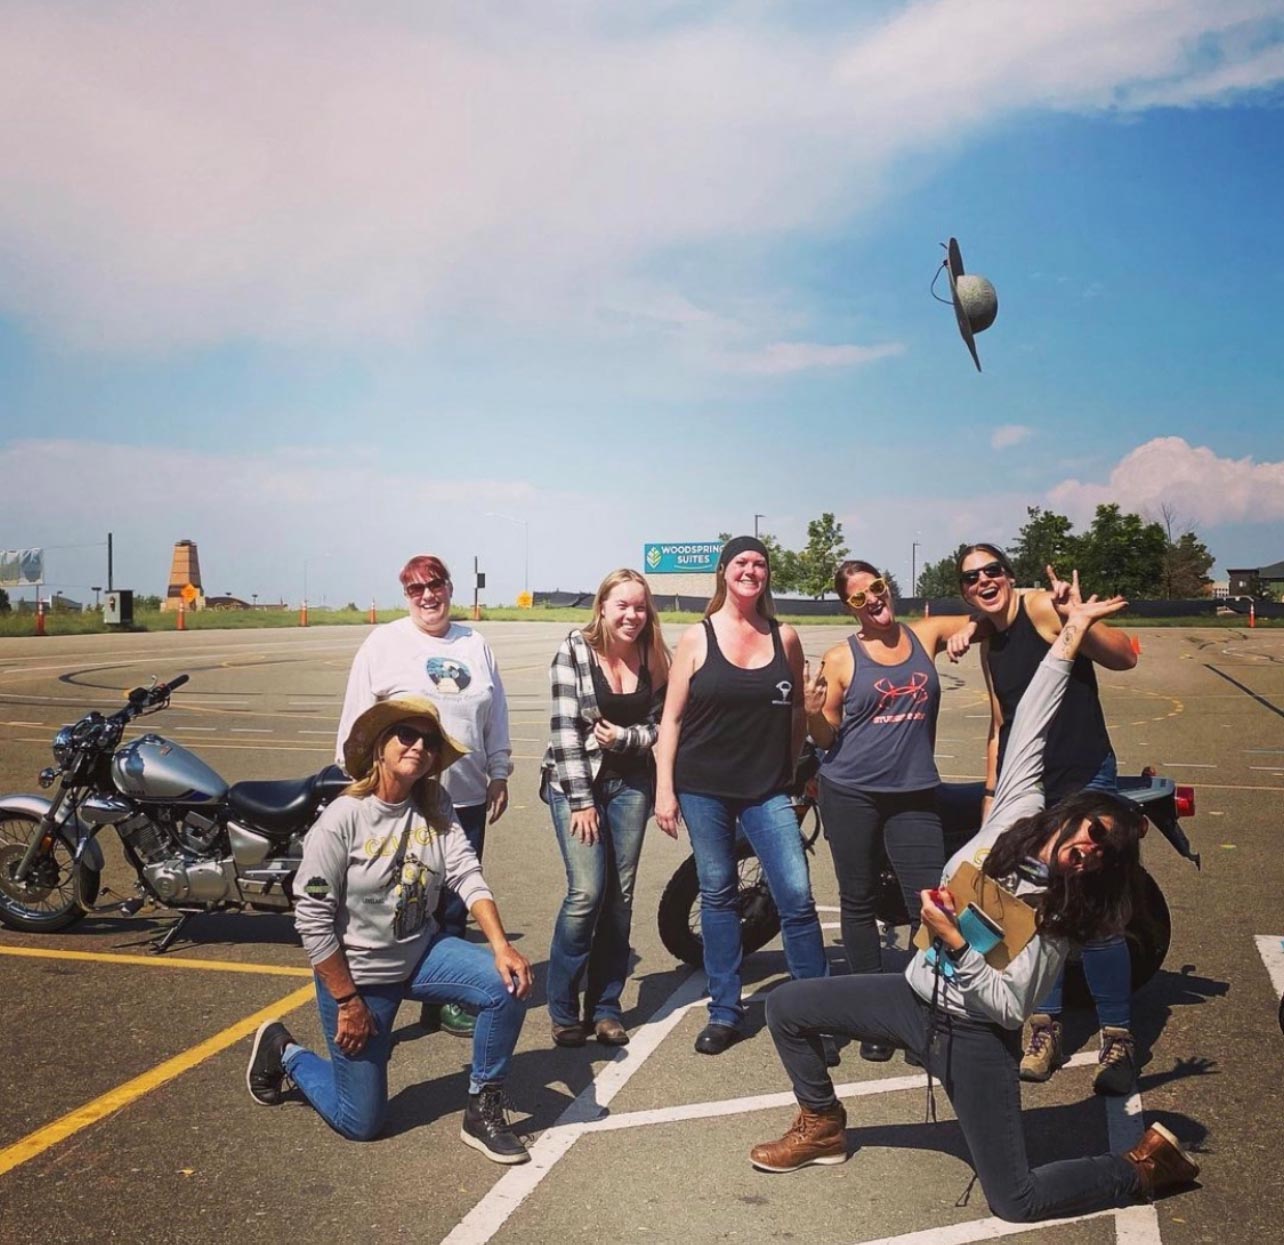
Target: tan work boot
1116	1063
814	1137
1160	1162
1042	1055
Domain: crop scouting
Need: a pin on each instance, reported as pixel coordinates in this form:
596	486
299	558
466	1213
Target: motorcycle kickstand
163	943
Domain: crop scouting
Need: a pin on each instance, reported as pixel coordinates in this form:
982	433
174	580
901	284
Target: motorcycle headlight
62	745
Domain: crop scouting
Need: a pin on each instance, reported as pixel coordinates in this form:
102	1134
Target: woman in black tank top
598	780
1078	755
731	729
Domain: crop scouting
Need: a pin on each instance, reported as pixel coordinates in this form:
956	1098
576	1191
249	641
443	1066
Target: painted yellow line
156	961
42	1139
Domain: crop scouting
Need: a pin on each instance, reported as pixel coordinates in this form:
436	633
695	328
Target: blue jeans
772	831
590	950
350	1092
1107	966
452	914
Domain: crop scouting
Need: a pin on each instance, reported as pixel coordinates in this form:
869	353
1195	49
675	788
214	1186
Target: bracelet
988	793
347	998
957	953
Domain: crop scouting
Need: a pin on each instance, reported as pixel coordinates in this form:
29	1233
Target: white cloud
784	358
311	171
1194	480
1007	435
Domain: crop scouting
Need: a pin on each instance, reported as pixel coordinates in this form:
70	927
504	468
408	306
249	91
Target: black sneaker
265	1073
486	1128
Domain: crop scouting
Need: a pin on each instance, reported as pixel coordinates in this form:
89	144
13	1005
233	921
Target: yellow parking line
42	1139
107	957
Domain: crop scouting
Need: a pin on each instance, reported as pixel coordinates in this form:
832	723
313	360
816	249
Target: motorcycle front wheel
46	901
679	915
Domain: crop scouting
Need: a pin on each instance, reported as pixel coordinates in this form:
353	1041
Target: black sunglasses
991	570
433	585
407	736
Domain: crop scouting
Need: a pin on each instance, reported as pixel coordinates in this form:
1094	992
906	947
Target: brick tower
184	569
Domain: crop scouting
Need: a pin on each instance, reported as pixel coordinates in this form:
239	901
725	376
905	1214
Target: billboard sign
686	558
22	568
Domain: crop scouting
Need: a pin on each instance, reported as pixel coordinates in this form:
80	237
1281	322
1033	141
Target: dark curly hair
1092	904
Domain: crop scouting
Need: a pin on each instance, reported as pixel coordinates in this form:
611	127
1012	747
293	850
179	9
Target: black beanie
741	544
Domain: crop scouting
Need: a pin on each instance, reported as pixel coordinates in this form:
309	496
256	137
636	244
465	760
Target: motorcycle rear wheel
46	901
1148	936
679	914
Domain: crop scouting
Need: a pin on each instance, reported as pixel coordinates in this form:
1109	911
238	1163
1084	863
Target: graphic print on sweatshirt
450	677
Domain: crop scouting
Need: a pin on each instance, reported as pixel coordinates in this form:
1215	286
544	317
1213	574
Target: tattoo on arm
1069	639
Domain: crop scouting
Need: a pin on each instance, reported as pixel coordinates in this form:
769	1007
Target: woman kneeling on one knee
1077	865
372	871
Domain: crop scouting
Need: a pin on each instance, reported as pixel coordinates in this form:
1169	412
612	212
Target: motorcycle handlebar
177	681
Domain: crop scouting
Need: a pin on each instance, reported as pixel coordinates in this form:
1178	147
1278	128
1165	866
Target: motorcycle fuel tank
152	768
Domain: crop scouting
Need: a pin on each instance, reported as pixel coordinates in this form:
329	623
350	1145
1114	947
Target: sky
324	285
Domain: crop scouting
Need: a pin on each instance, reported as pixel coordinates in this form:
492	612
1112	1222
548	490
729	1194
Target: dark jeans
452	915
863	829
977	1063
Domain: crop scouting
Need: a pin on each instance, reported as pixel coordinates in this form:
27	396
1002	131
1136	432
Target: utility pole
755	524
109	581
913	569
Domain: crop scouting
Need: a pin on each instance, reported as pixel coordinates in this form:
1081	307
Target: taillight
1185	801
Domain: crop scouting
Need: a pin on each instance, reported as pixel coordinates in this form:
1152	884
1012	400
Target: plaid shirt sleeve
641	736
571	762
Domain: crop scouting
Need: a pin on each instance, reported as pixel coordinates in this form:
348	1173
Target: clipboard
1013	915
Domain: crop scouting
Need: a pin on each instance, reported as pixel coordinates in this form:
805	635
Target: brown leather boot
1160	1162
814	1137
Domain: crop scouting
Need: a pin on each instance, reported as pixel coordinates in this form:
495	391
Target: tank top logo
901	704
783	691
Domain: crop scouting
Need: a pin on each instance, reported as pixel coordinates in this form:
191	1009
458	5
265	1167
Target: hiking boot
1042	1056
265	1073
486	1128
457	1021
1160	1162
1117	1062
815	1137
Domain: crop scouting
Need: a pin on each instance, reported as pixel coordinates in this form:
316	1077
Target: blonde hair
425	795
649	638
766	602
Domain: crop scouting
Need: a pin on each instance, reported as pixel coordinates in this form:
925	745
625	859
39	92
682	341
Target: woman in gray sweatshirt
373	869
1076	865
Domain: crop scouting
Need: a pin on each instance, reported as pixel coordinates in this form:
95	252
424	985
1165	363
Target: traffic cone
1252	615
182	615
927	609
303	614
40	617
372	611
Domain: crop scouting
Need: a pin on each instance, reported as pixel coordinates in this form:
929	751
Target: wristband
347	998
957	953
988	793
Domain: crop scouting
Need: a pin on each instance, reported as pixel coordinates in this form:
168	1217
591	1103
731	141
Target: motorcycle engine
177	862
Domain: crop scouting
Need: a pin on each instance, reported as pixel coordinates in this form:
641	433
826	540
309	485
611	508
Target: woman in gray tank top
873	709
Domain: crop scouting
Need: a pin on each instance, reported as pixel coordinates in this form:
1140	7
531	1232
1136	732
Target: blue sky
322	286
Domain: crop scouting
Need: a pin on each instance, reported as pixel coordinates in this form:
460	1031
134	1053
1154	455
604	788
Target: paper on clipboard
1014	916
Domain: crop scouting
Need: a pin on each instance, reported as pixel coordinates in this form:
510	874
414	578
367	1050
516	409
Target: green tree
784	562
819	560
150	604
1045	540
940	579
1186	566
5	605
1122	553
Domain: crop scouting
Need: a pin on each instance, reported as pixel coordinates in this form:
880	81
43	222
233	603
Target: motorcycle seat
285	806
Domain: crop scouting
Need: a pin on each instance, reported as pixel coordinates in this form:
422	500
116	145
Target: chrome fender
80	836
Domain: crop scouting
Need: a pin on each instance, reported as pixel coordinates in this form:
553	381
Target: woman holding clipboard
1075	866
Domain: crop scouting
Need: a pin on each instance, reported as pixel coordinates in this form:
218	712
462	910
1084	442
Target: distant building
184	578
1268	579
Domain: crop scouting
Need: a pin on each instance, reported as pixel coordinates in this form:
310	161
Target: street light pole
755	524
913	569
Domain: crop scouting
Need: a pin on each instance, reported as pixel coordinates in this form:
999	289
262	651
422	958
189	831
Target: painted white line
831	925
1270	769
982	1230
1279	751
1137	1225
250	730
316	732
1124	1121
1188	764
1271	948
187	730
507	1194
820	907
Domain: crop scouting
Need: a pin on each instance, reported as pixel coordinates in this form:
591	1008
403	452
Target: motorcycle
1148	934
195	843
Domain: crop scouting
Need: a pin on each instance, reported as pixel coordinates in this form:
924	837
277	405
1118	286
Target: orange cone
1252	615
40	617
303	614
372	611
182	615
1136	645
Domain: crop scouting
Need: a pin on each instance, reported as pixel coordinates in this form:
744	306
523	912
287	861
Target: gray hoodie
1010	996
369	882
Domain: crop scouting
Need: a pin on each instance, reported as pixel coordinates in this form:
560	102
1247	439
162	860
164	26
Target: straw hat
358	748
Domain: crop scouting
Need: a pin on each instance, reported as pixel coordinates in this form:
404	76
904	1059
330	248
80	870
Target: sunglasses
407	736
433	585
877	588
991	570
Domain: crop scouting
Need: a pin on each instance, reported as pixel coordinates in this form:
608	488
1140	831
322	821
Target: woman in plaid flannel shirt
599	783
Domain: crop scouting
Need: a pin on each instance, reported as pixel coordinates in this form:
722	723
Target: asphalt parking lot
127	1117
